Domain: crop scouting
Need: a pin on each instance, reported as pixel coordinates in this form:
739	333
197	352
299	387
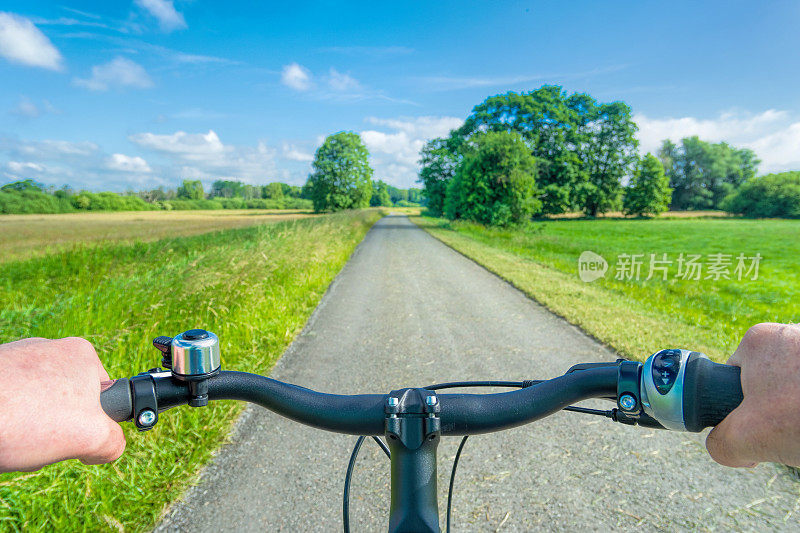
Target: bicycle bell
195	355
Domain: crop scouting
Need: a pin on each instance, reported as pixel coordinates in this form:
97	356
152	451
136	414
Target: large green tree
380	194
702	174
191	189
648	192
341	177
227	189
274	190
583	148
438	161
495	183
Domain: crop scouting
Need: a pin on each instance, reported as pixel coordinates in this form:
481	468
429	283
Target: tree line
547	152
28	196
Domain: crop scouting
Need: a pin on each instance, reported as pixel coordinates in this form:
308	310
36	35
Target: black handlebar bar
710	392
364	414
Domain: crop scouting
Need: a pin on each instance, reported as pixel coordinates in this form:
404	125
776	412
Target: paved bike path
408	311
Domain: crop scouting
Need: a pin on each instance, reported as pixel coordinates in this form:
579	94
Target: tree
380	195
703	174
583	149
274	190
192	190
415	195
773	195
495	183
397	195
608	157
23	186
342	177
649	192
227	189
438	161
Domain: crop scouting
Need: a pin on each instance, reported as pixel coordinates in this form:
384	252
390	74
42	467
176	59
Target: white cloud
119	72
26	108
296	76
293	153
48	149
339	81
394	154
22	42
204	156
773	135
22	166
126	163
80	164
190	146
164	11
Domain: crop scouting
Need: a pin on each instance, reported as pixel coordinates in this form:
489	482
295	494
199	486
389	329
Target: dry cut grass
24	236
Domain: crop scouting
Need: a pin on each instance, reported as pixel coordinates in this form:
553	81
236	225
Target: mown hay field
23	236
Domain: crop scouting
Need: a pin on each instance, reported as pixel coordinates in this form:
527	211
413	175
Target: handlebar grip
710	392
116	399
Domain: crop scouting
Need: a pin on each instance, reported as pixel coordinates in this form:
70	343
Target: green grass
255	287
638	317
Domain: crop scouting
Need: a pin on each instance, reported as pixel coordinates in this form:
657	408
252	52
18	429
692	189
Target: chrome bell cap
195	353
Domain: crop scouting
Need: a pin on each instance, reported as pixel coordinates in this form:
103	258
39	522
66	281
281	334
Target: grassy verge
638	317
255	287
26	236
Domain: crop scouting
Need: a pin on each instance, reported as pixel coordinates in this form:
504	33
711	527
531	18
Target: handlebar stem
413	431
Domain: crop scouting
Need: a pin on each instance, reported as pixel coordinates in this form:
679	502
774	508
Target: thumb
731	442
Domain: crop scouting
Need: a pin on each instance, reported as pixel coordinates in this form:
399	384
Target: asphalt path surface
408	311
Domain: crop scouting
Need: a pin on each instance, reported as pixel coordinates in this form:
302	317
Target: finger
735	359
730	443
102	374
109	448
23	343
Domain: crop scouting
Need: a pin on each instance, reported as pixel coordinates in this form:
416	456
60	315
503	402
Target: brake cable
440	386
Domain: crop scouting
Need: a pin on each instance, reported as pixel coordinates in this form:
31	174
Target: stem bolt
147	417
392	401
627	402
431	400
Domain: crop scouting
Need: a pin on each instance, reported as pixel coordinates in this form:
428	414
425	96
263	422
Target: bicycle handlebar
709	392
673	389
364	414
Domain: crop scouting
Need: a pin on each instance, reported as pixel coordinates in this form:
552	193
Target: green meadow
254	286
639	316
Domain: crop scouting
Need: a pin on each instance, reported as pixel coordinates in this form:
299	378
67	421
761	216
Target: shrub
30	201
770	196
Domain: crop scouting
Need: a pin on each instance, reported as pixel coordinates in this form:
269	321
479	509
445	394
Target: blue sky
142	93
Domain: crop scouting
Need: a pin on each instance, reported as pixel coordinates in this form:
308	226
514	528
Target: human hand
50	405
766	426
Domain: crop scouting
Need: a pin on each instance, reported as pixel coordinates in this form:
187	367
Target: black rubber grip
710	392
116	400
